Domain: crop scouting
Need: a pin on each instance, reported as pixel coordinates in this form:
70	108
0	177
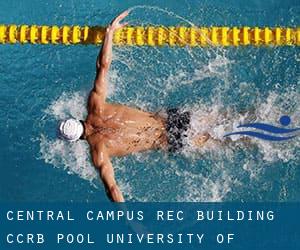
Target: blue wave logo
279	133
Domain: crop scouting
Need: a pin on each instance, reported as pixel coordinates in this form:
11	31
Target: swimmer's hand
115	24
105	57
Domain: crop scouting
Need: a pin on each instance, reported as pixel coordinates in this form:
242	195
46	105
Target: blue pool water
42	84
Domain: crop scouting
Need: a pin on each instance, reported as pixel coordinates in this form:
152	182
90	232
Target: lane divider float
152	35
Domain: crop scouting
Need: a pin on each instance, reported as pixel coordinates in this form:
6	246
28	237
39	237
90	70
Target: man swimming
117	130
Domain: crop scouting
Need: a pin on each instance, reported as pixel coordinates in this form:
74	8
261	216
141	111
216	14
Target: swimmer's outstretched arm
105	56
103	164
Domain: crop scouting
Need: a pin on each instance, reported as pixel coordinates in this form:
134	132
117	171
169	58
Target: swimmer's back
126	130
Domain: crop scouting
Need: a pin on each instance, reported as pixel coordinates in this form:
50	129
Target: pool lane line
152	35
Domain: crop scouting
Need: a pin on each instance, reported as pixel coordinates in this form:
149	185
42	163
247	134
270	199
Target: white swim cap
70	130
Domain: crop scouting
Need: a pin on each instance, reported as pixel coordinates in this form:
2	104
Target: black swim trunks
177	125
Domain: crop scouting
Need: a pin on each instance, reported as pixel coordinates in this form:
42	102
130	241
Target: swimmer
114	130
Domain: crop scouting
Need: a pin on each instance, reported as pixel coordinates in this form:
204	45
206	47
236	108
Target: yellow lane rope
152	35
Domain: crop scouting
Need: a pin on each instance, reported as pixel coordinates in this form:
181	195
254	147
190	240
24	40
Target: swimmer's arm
103	164
102	65
105	56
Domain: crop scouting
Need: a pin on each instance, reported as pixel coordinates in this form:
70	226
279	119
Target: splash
212	85
192	185
68	105
218	120
212	189
72	157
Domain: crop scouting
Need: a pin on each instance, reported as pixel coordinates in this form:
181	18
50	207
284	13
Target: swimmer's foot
200	140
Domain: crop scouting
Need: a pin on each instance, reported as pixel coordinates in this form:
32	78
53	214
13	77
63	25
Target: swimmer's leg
200	140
